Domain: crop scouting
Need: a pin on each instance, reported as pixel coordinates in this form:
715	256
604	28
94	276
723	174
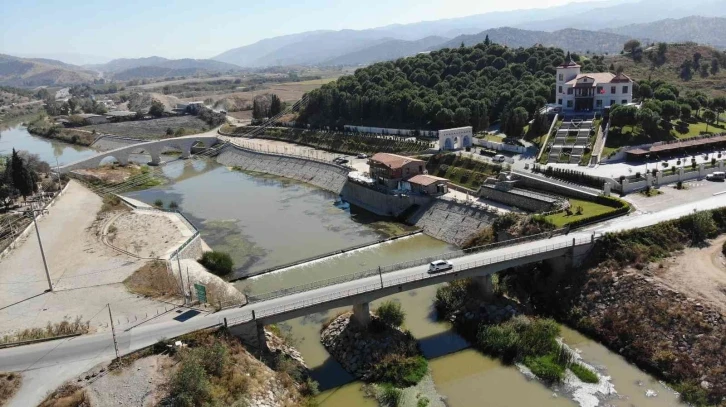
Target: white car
498	158
362	155
440	265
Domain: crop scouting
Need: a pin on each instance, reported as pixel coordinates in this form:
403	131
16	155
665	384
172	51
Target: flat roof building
389	169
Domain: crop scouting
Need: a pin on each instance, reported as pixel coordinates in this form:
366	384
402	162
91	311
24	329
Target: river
265	221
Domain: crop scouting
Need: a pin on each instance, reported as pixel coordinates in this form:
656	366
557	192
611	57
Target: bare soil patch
68	395
138	384
9	385
146	234
151	129
699	273
112	173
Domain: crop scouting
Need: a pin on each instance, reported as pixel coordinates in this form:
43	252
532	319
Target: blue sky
205	28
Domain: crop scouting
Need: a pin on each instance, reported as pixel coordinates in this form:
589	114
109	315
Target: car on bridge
440	265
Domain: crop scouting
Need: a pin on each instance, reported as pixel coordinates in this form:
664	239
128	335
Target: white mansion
587	92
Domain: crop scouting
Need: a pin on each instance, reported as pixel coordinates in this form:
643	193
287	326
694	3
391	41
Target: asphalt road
47	365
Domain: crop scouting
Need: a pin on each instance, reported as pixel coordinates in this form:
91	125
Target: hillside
703	30
570	39
153	67
16	71
448	88
669	71
385	51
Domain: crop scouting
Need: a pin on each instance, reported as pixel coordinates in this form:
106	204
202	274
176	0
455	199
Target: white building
588	92
454	139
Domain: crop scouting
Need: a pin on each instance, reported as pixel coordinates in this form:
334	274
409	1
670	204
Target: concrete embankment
451	222
324	175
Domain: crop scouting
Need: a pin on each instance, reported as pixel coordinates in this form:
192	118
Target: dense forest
462	86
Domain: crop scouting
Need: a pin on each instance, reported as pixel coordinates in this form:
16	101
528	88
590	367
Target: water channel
265	221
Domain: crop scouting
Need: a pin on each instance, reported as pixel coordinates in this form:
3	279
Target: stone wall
553	187
324	175
193	249
451	222
378	202
519	201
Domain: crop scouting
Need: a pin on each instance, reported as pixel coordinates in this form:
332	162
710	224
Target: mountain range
31	72
598	27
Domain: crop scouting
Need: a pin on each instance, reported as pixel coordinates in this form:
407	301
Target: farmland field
151	129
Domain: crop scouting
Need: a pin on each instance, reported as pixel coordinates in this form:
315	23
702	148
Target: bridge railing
378	285
398	266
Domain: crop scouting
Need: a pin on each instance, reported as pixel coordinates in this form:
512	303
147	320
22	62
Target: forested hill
452	87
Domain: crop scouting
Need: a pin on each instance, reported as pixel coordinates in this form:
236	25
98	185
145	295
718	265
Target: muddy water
17	137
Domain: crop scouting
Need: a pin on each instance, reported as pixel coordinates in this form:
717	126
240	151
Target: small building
93	118
390	169
425	184
590	92
457	138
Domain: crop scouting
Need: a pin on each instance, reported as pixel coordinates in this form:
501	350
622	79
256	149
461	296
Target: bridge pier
362	313
486	285
251	333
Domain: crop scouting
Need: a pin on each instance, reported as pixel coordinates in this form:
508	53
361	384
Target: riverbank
43	126
627	298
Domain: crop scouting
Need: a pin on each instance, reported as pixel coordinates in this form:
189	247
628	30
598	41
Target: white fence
512	148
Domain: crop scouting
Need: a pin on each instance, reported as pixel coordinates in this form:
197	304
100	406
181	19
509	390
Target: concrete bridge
359	292
153	148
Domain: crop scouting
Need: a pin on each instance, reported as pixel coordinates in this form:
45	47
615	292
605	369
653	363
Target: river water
264	222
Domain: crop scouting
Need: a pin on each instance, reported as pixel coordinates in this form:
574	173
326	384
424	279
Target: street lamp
42	252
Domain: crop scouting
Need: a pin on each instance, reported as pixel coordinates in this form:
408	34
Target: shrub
159	203
390	396
499	340
422	402
583	373
173	205
401	371
219	263
545	367
189	385
391	314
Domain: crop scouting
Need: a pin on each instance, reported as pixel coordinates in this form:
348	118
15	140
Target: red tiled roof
425	180
393	161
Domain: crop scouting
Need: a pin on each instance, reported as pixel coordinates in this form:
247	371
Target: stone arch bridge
153	148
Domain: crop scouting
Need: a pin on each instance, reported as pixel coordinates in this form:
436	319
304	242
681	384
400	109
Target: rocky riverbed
358	349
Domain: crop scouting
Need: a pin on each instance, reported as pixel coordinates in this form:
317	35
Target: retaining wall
518	201
193	249
553	187
378	202
324	175
452	222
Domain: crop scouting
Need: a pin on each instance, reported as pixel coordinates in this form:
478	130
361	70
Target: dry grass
112	203
63	328
154	280
68	395
9	385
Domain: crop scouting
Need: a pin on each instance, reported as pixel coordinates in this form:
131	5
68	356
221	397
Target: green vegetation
390	396
219	263
159	203
578	211
391	314
452	87
401	371
583	373
545	367
462	171
422	402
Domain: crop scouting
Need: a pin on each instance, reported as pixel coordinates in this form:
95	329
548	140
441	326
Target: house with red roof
590	92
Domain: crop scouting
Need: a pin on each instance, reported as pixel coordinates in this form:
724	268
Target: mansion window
561	77
625	102
612	102
559	101
569	103
613	90
569	91
560	89
625	90
598	103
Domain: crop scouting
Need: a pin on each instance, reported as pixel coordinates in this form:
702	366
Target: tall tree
275	105
22	178
156	109
709	117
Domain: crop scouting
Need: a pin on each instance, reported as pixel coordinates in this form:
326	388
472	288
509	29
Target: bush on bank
219	263
391	314
401	371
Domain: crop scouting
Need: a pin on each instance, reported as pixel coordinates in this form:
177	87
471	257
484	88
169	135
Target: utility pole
42	252
113	330
181	279
380	275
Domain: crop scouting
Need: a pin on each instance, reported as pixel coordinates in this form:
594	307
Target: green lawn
695	129
589	209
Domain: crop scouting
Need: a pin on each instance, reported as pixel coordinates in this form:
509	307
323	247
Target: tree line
266	106
466	86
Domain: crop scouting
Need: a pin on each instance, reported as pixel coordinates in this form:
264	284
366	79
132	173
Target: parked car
440	265
499	158
716	176
362	155
339	159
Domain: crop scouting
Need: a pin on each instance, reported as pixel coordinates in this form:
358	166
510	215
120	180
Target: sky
205	28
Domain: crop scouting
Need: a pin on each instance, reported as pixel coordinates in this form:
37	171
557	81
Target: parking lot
695	190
